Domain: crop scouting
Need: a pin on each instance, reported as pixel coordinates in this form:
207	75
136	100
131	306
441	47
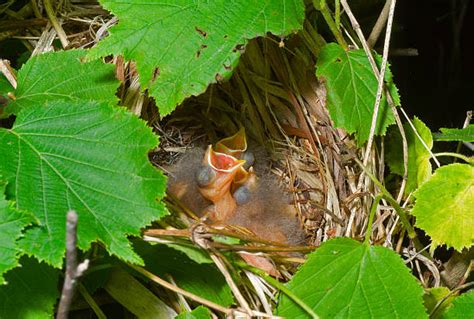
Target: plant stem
272	281
185	293
55	23
463	157
88	298
386	194
337	13
371	218
331	24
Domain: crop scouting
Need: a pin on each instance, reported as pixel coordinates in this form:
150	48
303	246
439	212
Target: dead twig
356	27
8	72
73	270
377	29
55	23
380	80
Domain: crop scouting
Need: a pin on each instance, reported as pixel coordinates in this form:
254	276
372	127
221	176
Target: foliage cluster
73	147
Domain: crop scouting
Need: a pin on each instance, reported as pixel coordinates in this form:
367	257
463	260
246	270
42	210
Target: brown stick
73	271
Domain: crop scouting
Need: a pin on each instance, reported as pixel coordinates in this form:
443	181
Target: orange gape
217	190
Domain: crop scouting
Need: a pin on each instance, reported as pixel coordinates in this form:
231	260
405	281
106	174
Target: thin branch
419	137
91	302
400	211
356	27
228	278
198	236
183	292
283	288
456	155
73	270
375	205
378	27
337	14
55	23
331	24
230	313
380	79
449	294
8	72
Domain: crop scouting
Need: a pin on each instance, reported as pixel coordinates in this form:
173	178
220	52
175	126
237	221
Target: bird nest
275	95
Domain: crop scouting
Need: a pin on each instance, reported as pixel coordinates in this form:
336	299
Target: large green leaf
12	222
31	292
444	206
346	279
63	75
351	89
462	307
201	279
180	47
90	157
455	134
419	166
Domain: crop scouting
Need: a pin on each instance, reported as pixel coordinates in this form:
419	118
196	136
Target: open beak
225	168
233	145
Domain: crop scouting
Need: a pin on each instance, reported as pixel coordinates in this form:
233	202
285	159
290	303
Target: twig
8	72
275	283
73	270
228	278
380	79
467	121
356	27
400	211
91	302
198	236
456	155
377	29
375	205
419	137
449	294
55	23
183	292
231	313
337	13
331	24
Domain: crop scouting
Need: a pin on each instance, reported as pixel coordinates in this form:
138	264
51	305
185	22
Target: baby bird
215	184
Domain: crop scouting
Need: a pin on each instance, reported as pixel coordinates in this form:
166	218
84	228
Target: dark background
438	84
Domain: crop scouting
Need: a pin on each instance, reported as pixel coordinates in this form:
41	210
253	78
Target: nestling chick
216	183
264	208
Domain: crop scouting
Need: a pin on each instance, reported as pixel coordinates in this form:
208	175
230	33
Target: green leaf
462	307
455	134
180	47
346	279
351	90
12	222
63	75
90	157
31	292
198	313
419	166
444	206
201	279
431	299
